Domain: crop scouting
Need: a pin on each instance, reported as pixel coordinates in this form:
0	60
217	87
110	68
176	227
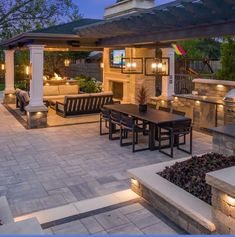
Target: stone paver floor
136	218
45	168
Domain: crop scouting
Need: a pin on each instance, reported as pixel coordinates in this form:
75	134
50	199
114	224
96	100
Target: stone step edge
76	208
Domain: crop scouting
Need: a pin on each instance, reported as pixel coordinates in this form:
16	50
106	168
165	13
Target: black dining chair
164	109
129	124
177	112
163	133
181	113
176	130
114	122
104	117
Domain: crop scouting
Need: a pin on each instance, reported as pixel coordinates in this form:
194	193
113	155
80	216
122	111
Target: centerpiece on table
142	97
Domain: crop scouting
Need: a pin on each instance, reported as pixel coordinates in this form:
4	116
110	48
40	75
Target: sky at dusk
95	8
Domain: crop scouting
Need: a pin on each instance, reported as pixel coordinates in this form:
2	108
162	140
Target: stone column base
9	98
36	116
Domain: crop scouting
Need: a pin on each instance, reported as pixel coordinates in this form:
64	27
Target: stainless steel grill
229	107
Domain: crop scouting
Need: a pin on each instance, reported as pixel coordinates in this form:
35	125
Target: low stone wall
223	199
169	210
213	88
190	213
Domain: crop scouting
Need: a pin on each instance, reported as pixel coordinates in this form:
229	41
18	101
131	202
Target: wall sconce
157	66
102	65
2	67
132	65
28	71
66	62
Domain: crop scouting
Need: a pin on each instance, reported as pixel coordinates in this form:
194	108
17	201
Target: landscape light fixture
66	62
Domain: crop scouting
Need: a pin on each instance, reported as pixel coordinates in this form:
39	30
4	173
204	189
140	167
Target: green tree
202	48
18	16
227	60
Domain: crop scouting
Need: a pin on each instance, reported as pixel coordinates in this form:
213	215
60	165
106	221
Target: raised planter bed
184	209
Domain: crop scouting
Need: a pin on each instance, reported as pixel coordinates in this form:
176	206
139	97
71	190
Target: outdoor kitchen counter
206	99
205	111
224	139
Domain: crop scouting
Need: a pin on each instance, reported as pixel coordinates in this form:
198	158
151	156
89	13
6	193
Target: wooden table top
152	115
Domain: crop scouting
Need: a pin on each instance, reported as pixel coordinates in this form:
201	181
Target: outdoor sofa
82	103
55	92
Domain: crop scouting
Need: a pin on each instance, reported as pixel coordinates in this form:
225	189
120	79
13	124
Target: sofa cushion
53	97
102	93
68	89
50	90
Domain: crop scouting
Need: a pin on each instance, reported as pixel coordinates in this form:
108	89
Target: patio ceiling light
157	66
132	65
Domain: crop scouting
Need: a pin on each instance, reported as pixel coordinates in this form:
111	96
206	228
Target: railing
184	84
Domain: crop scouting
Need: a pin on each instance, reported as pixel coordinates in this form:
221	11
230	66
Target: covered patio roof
60	37
178	20
181	19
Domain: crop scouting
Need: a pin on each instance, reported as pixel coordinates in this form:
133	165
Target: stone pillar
9	92
168	82
36	110
223	199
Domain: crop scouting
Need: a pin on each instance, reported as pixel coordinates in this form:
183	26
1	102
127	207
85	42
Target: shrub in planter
88	84
190	174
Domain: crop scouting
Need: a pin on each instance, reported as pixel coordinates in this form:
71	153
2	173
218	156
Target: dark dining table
152	116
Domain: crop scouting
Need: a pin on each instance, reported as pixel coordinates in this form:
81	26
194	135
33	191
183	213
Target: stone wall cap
214	82
227	130
223	180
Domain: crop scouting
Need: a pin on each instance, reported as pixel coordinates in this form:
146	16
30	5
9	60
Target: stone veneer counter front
224	139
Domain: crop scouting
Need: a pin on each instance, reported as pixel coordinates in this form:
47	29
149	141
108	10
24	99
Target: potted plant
142	96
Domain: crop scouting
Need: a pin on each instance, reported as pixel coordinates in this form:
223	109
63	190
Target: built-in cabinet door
207	115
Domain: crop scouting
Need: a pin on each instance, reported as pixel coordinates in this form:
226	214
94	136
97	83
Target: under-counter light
220	86
221	106
134	181
231	201
197	102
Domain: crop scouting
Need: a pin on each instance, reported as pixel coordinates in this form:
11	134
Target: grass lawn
2	87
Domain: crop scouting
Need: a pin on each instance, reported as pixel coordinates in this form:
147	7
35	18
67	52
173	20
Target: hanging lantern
157	66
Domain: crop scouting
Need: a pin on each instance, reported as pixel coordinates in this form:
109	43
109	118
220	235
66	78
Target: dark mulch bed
190	174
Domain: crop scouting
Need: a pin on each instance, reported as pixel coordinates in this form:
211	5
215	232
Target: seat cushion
50	90
53	97
68	89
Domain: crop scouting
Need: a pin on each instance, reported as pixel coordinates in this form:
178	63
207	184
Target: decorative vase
142	107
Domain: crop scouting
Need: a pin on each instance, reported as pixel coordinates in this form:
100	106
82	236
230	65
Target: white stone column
9	75
36	83
36	110
168	82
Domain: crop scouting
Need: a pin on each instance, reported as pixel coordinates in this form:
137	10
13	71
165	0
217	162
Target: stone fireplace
117	89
